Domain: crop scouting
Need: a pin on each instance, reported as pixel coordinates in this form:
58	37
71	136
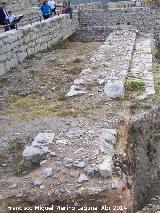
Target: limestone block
114	89
105	168
43	139
31	151
108	135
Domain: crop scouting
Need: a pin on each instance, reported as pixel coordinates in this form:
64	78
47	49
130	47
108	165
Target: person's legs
54	11
6	22
45	16
12	26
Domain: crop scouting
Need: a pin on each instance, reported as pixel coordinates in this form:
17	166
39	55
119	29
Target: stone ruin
105	162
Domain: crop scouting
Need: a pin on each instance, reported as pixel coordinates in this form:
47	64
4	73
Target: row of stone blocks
109	66
16	45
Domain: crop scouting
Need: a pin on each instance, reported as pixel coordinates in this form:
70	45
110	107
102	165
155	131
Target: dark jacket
2	16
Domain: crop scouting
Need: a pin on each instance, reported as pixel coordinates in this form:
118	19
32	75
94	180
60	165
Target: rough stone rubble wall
30	39
144	19
20	4
144	136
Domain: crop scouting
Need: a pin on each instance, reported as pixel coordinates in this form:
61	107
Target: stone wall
16	45
144	19
20	4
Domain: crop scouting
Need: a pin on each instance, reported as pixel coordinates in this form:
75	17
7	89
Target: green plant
30	57
133	108
131	85
132	130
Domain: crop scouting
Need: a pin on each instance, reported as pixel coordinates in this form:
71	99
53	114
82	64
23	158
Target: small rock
48	172
79	151
74	174
63	141
19	194
53	154
43	162
13	186
75	90
101	81
68	162
42	187
36	183
4	164
86	71
82	178
89	170
60	157
79	164
53	89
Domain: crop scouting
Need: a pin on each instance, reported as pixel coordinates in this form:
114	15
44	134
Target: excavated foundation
135	174
144	144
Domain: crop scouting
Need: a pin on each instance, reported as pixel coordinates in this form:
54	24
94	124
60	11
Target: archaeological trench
80	113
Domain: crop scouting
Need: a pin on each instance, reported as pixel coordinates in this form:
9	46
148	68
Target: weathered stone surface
79	81
48	172
74	174
43	139
105	168
75	90
109	135
107	148
82	178
31	151
79	164
114	89
68	162
36	183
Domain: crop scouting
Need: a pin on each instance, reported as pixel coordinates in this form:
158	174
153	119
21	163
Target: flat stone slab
114	89
43	139
31	151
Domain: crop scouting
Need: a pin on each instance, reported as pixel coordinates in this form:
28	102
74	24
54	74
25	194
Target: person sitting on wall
4	19
46	10
52	4
11	20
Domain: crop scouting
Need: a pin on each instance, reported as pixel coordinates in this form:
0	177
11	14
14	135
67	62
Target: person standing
52	4
68	8
138	3
4	18
46	10
11	19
